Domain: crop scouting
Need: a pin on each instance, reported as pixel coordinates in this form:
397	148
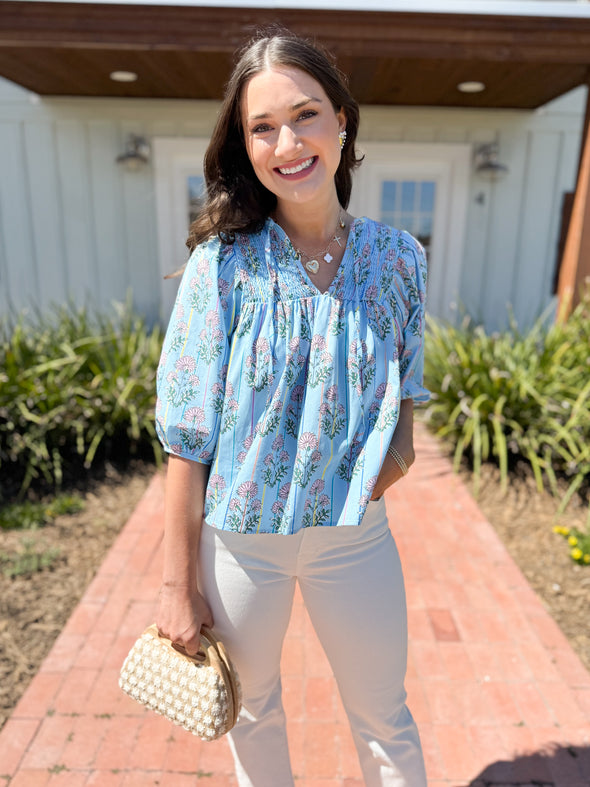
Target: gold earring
342	138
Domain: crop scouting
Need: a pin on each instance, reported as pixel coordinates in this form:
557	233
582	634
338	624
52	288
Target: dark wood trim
567	204
391	58
378	33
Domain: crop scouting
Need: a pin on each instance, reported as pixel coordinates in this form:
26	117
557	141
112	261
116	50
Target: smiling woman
291	132
292	138
285	401
238	199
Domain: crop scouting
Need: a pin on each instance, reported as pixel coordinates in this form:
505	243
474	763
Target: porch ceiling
391	57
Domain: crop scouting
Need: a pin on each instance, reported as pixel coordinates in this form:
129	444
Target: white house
472	123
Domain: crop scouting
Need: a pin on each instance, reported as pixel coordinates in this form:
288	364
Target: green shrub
507	396
74	385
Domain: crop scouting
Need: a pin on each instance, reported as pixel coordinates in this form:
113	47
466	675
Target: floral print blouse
290	394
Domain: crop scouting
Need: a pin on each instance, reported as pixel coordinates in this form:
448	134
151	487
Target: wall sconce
486	162
137	153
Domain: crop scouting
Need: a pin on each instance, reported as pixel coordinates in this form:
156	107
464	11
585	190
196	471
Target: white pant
352	585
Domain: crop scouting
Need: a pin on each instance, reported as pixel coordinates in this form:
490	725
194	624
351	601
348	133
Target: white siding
74	224
15	207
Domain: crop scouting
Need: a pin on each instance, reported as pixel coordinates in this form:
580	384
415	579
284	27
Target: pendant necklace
312	265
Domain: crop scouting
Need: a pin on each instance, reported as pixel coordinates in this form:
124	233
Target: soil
524	520
35	607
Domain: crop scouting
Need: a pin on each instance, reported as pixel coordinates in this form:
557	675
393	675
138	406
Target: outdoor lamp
137	153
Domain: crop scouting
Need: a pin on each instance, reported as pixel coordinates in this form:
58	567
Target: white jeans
352	585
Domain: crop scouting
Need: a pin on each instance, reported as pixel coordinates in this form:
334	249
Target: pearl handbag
200	693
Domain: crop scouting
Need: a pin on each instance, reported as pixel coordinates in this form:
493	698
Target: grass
27	560
30	515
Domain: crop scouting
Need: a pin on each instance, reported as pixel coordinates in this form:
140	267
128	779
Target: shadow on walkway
555	766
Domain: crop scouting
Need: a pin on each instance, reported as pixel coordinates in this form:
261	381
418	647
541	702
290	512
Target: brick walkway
499	696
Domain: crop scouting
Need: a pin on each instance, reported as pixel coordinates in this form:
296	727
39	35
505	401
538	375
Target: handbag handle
199	657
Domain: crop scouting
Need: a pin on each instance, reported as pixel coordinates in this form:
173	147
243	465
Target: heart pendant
312	266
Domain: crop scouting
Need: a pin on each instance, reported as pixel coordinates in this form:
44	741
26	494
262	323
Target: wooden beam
408	58
575	266
492	38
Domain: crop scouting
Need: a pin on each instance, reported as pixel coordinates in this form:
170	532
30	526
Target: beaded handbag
200	693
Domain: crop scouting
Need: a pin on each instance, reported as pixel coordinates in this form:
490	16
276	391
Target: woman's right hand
182	609
181	613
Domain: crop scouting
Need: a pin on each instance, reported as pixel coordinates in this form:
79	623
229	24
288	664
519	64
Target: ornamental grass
75	387
511	396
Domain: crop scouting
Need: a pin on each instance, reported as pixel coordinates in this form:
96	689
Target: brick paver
500	697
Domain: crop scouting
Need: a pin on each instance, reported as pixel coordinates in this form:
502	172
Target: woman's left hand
403	442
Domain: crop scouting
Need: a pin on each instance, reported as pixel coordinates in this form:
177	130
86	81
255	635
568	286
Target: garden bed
34	607
524	519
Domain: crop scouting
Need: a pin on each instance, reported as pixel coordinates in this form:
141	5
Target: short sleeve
412	355
193	365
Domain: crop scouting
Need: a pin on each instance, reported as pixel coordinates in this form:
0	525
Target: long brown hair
235	199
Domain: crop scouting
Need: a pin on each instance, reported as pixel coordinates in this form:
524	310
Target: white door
420	188
178	165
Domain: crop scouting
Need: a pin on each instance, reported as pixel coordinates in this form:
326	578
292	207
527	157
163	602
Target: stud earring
342	138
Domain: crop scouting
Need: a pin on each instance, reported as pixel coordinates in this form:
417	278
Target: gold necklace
312	265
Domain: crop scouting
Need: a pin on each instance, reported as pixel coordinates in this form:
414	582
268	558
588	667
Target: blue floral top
292	395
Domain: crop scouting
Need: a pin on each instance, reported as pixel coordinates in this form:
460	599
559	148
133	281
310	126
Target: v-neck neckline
301	268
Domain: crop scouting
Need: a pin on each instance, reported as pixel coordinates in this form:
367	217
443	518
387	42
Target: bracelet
392	451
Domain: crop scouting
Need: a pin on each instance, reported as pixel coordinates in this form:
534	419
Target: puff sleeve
193	365
412	355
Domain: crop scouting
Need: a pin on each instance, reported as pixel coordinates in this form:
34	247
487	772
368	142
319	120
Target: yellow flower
561	530
576	553
586	559
572	541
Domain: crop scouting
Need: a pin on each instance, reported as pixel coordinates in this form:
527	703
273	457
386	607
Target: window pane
427	197
409	205
407	222
389	188
408	196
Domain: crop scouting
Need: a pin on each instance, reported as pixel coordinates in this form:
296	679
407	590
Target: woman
285	398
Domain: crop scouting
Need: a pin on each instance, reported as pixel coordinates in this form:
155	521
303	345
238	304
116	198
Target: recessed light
471	87
123	76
